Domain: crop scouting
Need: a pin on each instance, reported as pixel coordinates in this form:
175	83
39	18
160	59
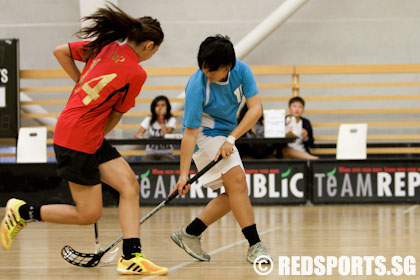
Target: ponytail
111	24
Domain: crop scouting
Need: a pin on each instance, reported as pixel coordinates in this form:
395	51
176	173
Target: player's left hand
225	150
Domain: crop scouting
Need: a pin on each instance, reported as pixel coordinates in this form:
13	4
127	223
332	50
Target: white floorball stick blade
110	256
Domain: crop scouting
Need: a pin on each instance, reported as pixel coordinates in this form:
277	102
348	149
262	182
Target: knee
238	183
131	187
90	217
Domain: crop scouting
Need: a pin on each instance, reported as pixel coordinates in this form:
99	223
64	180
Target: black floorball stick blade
80	259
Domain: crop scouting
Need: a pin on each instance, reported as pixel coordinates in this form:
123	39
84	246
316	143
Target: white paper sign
274	123
2	97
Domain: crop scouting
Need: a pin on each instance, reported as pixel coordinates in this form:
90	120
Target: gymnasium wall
321	32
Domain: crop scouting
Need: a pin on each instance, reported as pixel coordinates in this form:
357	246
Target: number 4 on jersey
93	92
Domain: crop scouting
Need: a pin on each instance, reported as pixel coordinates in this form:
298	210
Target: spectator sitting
160	123
300	127
257	151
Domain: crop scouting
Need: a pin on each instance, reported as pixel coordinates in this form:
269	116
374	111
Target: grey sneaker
255	251
191	244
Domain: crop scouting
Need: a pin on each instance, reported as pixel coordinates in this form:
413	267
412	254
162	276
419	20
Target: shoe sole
178	242
4	231
129	272
4	237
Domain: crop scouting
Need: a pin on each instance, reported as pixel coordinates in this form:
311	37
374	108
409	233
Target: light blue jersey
214	106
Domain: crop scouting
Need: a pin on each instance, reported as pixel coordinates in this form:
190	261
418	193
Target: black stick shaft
97	246
169	199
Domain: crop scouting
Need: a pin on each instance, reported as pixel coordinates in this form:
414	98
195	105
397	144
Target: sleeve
76	50
171	123
249	86
146	123
128	100
194	101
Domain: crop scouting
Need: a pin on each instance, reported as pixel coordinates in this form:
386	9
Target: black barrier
35	183
270	182
273	182
366	181
9	88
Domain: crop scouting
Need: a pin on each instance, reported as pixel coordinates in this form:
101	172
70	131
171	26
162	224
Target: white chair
274	125
351	142
32	145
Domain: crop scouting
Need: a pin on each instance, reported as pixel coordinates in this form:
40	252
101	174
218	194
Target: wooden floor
342	230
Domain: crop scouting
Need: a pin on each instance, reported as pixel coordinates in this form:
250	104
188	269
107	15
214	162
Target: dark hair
216	51
153	106
111	24
296	99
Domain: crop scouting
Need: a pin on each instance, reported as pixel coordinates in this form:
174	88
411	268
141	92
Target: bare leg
237	190
235	199
118	174
292	153
87	211
215	209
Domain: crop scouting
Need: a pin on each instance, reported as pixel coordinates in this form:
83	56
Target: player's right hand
225	150
180	186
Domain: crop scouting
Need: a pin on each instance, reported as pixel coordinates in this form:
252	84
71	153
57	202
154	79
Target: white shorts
208	148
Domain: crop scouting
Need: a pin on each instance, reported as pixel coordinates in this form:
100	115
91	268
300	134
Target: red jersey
110	81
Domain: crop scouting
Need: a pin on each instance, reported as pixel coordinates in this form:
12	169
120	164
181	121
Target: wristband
231	139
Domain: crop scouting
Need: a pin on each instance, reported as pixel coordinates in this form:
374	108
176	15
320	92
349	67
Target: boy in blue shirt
212	98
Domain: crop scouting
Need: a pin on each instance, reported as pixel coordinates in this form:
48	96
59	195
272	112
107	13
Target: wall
321	32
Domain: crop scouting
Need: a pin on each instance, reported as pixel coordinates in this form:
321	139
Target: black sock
196	227
30	212
131	246
251	234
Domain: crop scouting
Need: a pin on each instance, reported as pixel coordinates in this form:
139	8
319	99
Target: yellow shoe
12	223
140	265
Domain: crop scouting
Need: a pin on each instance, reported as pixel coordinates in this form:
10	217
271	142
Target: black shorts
82	168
